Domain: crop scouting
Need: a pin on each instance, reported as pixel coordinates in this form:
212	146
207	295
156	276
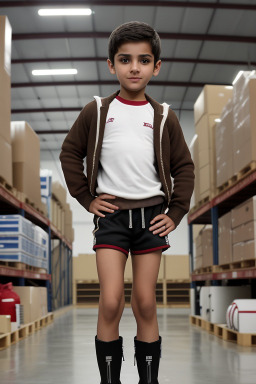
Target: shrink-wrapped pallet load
244	116
224	149
5	100
207	108
26	161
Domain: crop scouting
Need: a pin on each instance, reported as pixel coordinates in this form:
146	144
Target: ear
111	67
157	68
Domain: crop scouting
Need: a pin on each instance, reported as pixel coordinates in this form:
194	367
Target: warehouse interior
49	286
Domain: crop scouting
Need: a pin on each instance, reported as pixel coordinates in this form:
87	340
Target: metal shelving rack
9	204
209	213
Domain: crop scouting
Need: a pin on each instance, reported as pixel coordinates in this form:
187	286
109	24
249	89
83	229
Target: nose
134	66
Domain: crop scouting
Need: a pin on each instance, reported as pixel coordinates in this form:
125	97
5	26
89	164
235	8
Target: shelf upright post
68	275
48	282
191	254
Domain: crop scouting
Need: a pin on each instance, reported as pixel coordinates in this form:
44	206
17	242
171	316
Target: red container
8	299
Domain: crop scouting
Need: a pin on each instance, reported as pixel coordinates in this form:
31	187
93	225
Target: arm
73	152
182	171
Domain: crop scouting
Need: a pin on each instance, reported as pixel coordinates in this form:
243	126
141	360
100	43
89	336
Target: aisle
64	353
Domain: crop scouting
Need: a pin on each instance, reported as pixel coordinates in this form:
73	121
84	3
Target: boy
133	145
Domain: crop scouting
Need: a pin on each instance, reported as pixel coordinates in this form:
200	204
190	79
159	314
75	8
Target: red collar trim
130	102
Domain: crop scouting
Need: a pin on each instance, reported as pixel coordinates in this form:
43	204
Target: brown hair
134	31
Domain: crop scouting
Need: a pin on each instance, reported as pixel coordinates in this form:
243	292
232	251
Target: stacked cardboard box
224	148
244	115
176	267
243	220
26	161
225	239
198	259
59	196
204	248
22	241
5	100
34	302
68	228
207	246
207	109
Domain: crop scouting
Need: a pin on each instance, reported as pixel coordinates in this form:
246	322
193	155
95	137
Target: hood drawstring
142	218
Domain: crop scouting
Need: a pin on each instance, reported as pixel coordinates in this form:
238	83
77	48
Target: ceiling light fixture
65	12
49	72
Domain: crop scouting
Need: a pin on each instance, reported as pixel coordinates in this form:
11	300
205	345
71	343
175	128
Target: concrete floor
64	353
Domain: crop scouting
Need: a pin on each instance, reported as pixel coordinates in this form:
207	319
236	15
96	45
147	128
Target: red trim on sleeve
130	102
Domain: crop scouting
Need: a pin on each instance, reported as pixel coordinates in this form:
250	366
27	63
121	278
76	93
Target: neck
132	96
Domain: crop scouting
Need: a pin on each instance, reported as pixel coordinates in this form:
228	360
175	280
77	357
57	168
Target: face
134	66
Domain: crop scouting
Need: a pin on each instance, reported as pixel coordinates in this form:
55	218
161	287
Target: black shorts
128	230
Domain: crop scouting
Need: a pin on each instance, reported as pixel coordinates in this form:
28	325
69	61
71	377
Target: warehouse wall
82	223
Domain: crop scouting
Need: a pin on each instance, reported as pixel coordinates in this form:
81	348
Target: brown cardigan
171	151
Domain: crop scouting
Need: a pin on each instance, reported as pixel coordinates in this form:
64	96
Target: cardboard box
249	250
244	155
25	146
5	44
6	161
177	267
5	320
244	213
244	115
5	106
30	299
195	153
224	145
207	246
27	181
84	267
59	192
211	100
198	262
225	239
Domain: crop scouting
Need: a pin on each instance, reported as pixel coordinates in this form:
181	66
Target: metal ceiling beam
106	82
148	3
163	35
164	59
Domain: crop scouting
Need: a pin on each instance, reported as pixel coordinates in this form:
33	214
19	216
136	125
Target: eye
145	61
124	60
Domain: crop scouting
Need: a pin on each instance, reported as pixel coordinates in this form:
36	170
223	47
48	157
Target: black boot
109	356
147	356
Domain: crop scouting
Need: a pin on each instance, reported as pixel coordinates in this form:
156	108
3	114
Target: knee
144	306
111	307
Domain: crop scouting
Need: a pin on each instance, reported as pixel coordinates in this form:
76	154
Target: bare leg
145	272
110	265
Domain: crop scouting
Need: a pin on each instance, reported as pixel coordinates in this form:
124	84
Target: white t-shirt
127	156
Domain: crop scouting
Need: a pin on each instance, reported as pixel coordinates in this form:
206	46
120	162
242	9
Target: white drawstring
130	218
142	218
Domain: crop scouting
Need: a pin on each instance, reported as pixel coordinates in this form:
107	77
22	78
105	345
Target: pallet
235	265
25	330
21	266
8	187
200	203
244	172
224	333
209	269
24	199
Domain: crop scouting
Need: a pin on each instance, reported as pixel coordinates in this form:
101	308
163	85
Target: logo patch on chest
110	120
148	125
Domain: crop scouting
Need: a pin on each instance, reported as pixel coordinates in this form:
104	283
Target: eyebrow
128	55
